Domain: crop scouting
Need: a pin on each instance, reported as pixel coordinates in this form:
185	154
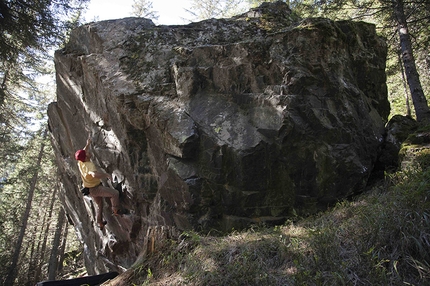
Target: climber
91	178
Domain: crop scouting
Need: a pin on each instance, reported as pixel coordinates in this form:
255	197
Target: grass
380	238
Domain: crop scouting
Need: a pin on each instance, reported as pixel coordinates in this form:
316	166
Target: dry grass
380	238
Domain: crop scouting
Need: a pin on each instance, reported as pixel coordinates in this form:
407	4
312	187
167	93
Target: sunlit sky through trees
170	12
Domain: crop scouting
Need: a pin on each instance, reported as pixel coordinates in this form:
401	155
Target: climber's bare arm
87	146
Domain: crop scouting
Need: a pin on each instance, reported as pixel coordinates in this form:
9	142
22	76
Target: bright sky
170	12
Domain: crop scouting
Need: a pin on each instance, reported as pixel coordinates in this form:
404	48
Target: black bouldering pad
86	280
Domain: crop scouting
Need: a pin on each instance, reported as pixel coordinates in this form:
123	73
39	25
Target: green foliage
32	26
19	151
22	112
29	30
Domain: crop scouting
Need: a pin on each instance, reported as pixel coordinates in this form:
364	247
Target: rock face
218	123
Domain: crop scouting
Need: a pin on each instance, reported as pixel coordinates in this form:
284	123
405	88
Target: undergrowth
379	238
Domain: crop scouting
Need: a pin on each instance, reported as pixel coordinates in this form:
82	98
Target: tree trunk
405	88
46	235
12	270
63	246
33	257
420	102
53	260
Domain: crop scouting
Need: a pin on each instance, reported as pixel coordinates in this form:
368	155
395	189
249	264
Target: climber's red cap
80	155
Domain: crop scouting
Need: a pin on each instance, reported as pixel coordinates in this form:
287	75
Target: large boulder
216	124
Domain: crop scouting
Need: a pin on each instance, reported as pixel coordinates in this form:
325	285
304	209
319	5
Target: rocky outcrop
217	123
398	129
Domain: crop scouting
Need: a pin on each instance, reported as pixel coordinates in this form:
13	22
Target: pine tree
206	9
12	267
44	240
55	249
144	9
28	30
420	102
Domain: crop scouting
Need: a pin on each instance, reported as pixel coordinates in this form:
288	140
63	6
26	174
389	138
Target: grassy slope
379	238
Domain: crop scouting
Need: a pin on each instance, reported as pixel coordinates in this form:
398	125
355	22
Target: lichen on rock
217	124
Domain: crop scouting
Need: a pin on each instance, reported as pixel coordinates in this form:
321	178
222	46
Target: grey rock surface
216	124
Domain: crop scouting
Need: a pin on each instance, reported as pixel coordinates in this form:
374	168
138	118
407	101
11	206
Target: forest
37	241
